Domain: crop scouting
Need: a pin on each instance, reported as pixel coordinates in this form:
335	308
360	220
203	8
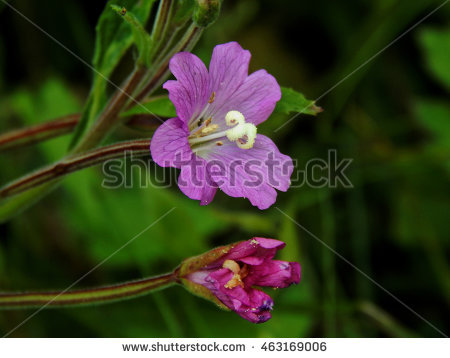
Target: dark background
391	117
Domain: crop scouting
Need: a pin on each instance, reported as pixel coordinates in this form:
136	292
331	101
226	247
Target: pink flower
213	139
230	274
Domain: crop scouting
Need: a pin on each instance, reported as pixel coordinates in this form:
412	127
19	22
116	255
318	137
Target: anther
212	98
238	274
209	129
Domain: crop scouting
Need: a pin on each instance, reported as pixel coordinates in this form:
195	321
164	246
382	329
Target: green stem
162	22
385	321
109	118
161	71
85	297
75	163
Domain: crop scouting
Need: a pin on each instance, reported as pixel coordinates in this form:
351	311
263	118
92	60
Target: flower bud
228	275
206	12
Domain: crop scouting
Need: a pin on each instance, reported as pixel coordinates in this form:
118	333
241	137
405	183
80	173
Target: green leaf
114	38
52	99
435	117
142	39
159	106
436	46
293	101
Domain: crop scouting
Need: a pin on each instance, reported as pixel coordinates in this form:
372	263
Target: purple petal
251	304
259	309
191	91
254	251
255	98
278	167
201	278
252	173
228	70
274	273
169	143
269	243
296	272
195	182
252	260
228	296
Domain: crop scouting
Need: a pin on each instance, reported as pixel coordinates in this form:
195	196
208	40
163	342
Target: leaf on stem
158	106
141	37
436	47
293	101
114	38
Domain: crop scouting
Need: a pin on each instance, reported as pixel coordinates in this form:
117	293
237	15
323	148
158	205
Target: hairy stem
157	76
39	132
85	297
64	125
142	81
109	118
75	163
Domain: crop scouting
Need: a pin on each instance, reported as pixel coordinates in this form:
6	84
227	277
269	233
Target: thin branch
75	163
39	132
105	294
109	118
57	127
186	43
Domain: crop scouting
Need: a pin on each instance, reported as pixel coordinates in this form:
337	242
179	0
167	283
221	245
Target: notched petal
191	91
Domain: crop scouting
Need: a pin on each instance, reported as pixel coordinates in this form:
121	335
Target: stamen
234	282
238	274
205	130
195	138
242	133
208	129
199	118
212	98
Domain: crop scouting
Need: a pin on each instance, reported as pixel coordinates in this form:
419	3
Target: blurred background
392	117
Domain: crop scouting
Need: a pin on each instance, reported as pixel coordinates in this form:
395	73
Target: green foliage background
391	117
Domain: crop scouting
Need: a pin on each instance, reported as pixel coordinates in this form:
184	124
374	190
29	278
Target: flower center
206	134
238	274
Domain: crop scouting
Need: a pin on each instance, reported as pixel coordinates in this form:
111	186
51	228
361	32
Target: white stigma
234	117
248	139
244	134
240	132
